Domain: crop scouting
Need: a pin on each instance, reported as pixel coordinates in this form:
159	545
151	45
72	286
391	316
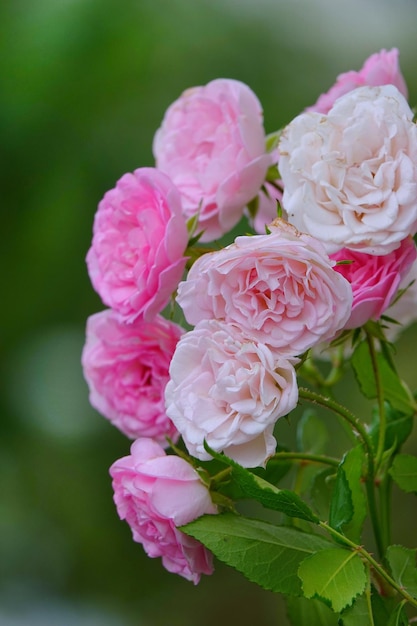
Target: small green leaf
321	491
266	554
272	141
352	465
398	617
268	495
395	390
310	612
253	206
402	562
272	173
312	434
404	472
341	505
335	576
398	427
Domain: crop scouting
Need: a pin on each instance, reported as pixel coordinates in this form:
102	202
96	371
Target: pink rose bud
137	254
381	68
280	289
374	279
126	367
229	390
212	144
155	494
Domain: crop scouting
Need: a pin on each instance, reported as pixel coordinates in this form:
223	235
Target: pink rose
280	289
350	178
155	494
126	368
229	390
212	144
381	68
374	279
137	254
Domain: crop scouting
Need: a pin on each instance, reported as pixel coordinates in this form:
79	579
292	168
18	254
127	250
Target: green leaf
398	617
312	435
398	427
395	390
272	141
359	614
404	472
335	576
341	505
272	173
256	488
266	554
352	465
310	612
402	562
321	491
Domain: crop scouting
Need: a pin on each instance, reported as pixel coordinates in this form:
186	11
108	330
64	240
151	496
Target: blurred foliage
85	84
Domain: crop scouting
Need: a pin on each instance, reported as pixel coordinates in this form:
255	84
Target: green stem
308	458
368	557
380	397
343	412
339	409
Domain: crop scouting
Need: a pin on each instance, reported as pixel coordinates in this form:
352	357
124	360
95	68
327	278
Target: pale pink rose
137	254
381	68
374	279
126	367
350	178
155	494
212	144
403	310
280	289
229	390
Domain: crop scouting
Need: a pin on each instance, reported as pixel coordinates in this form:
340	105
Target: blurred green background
85	84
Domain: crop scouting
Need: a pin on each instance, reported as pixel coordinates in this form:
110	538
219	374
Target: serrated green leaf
404	472
352	465
341	505
268	495
359	614
266	554
395	390
335	576
402	562
302	611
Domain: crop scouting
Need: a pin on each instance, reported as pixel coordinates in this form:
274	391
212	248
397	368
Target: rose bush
374	279
381	68
212	144
280	289
229	390
155	494
350	178
136	257
126	367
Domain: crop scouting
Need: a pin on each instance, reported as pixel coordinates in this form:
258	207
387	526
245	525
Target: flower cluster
347	183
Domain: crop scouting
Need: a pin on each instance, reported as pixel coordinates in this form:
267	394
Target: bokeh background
85	84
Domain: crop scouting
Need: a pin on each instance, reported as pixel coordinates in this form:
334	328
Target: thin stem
368	557
339	409
380	397
307	458
343	412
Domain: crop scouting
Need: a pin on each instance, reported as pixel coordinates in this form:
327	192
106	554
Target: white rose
350	177
228	390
